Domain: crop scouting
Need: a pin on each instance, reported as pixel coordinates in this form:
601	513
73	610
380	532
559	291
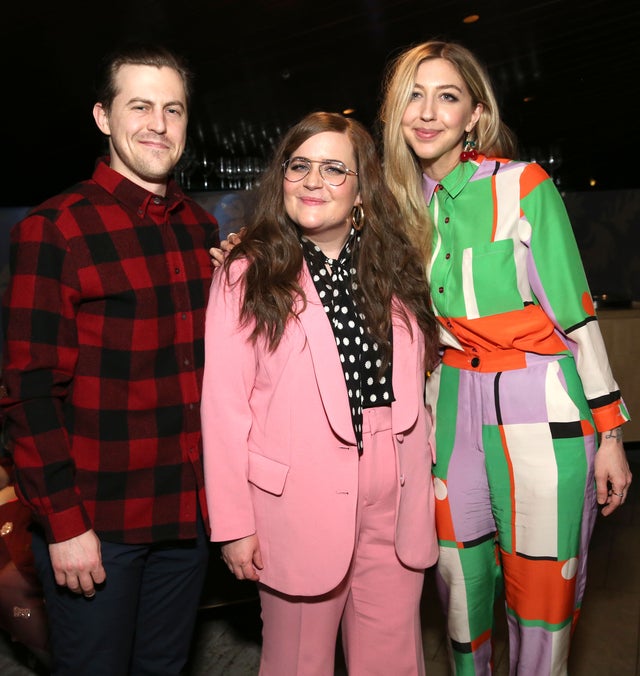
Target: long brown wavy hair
387	264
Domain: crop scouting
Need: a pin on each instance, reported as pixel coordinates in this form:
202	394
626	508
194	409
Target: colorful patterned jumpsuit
523	378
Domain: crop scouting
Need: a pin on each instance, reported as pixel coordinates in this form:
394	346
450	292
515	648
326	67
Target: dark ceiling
267	62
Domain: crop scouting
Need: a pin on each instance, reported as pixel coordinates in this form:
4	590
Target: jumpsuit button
448	256
446	220
475	362
441	289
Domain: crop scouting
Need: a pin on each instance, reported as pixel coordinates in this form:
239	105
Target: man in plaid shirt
103	360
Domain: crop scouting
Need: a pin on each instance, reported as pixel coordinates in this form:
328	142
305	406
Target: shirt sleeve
558	279
39	357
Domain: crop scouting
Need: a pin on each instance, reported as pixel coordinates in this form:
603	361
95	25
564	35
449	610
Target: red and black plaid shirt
103	360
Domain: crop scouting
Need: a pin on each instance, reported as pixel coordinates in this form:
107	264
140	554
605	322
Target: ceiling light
472	18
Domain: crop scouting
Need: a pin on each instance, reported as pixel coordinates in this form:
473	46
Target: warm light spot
348	111
592	182
472	18
528	99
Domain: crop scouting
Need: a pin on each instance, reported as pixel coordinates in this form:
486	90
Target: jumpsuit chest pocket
482	266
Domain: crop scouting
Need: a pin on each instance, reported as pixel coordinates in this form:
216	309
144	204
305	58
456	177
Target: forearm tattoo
615	433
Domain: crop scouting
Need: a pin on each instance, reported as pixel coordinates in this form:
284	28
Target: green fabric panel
446	416
495	262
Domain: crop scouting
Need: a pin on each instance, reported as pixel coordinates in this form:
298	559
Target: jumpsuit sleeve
558	279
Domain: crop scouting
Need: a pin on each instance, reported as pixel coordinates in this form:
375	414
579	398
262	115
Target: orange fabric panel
531	178
444	522
527	578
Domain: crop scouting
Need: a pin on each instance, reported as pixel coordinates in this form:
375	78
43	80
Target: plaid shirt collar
135	197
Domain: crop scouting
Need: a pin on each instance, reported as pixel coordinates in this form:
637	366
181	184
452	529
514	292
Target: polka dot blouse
334	279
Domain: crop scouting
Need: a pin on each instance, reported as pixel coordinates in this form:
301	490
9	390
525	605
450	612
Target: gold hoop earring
357	217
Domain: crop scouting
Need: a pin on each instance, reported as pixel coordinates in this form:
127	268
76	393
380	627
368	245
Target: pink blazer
280	454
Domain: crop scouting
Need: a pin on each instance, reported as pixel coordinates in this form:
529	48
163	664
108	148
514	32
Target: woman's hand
243	557
612	473
218	255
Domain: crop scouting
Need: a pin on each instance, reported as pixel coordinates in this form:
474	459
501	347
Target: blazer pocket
267	474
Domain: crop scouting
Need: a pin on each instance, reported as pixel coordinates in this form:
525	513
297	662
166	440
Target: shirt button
475	362
140	212
186	362
441	289
184	315
446	220
177	271
156	200
447	256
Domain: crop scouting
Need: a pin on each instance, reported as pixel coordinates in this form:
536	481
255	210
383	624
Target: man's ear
101	118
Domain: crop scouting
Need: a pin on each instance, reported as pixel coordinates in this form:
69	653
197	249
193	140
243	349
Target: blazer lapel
328	370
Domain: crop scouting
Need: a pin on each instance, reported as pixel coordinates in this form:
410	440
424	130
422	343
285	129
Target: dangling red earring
469	152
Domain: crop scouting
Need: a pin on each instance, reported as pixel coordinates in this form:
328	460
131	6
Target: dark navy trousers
141	620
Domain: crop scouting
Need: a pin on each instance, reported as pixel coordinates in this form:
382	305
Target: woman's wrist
615	433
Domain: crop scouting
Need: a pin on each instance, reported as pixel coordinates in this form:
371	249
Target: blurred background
566	72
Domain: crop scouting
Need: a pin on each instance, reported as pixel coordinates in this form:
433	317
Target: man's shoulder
198	209
74	197
192	213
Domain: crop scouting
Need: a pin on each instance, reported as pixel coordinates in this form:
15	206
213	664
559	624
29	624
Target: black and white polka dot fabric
334	282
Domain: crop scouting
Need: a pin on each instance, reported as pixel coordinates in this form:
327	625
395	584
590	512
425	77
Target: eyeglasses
331	171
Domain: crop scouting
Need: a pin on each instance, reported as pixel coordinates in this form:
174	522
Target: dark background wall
565	70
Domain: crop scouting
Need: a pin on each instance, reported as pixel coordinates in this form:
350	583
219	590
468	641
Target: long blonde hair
402	168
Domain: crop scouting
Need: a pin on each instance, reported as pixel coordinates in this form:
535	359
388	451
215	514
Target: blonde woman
524	386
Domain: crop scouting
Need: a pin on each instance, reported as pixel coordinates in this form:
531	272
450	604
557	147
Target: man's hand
77	563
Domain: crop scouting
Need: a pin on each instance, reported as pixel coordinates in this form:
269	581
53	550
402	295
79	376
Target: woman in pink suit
316	437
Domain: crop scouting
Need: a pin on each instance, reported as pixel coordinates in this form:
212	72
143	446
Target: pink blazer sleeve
225	411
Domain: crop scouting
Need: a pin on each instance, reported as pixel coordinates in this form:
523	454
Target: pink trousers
377	605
